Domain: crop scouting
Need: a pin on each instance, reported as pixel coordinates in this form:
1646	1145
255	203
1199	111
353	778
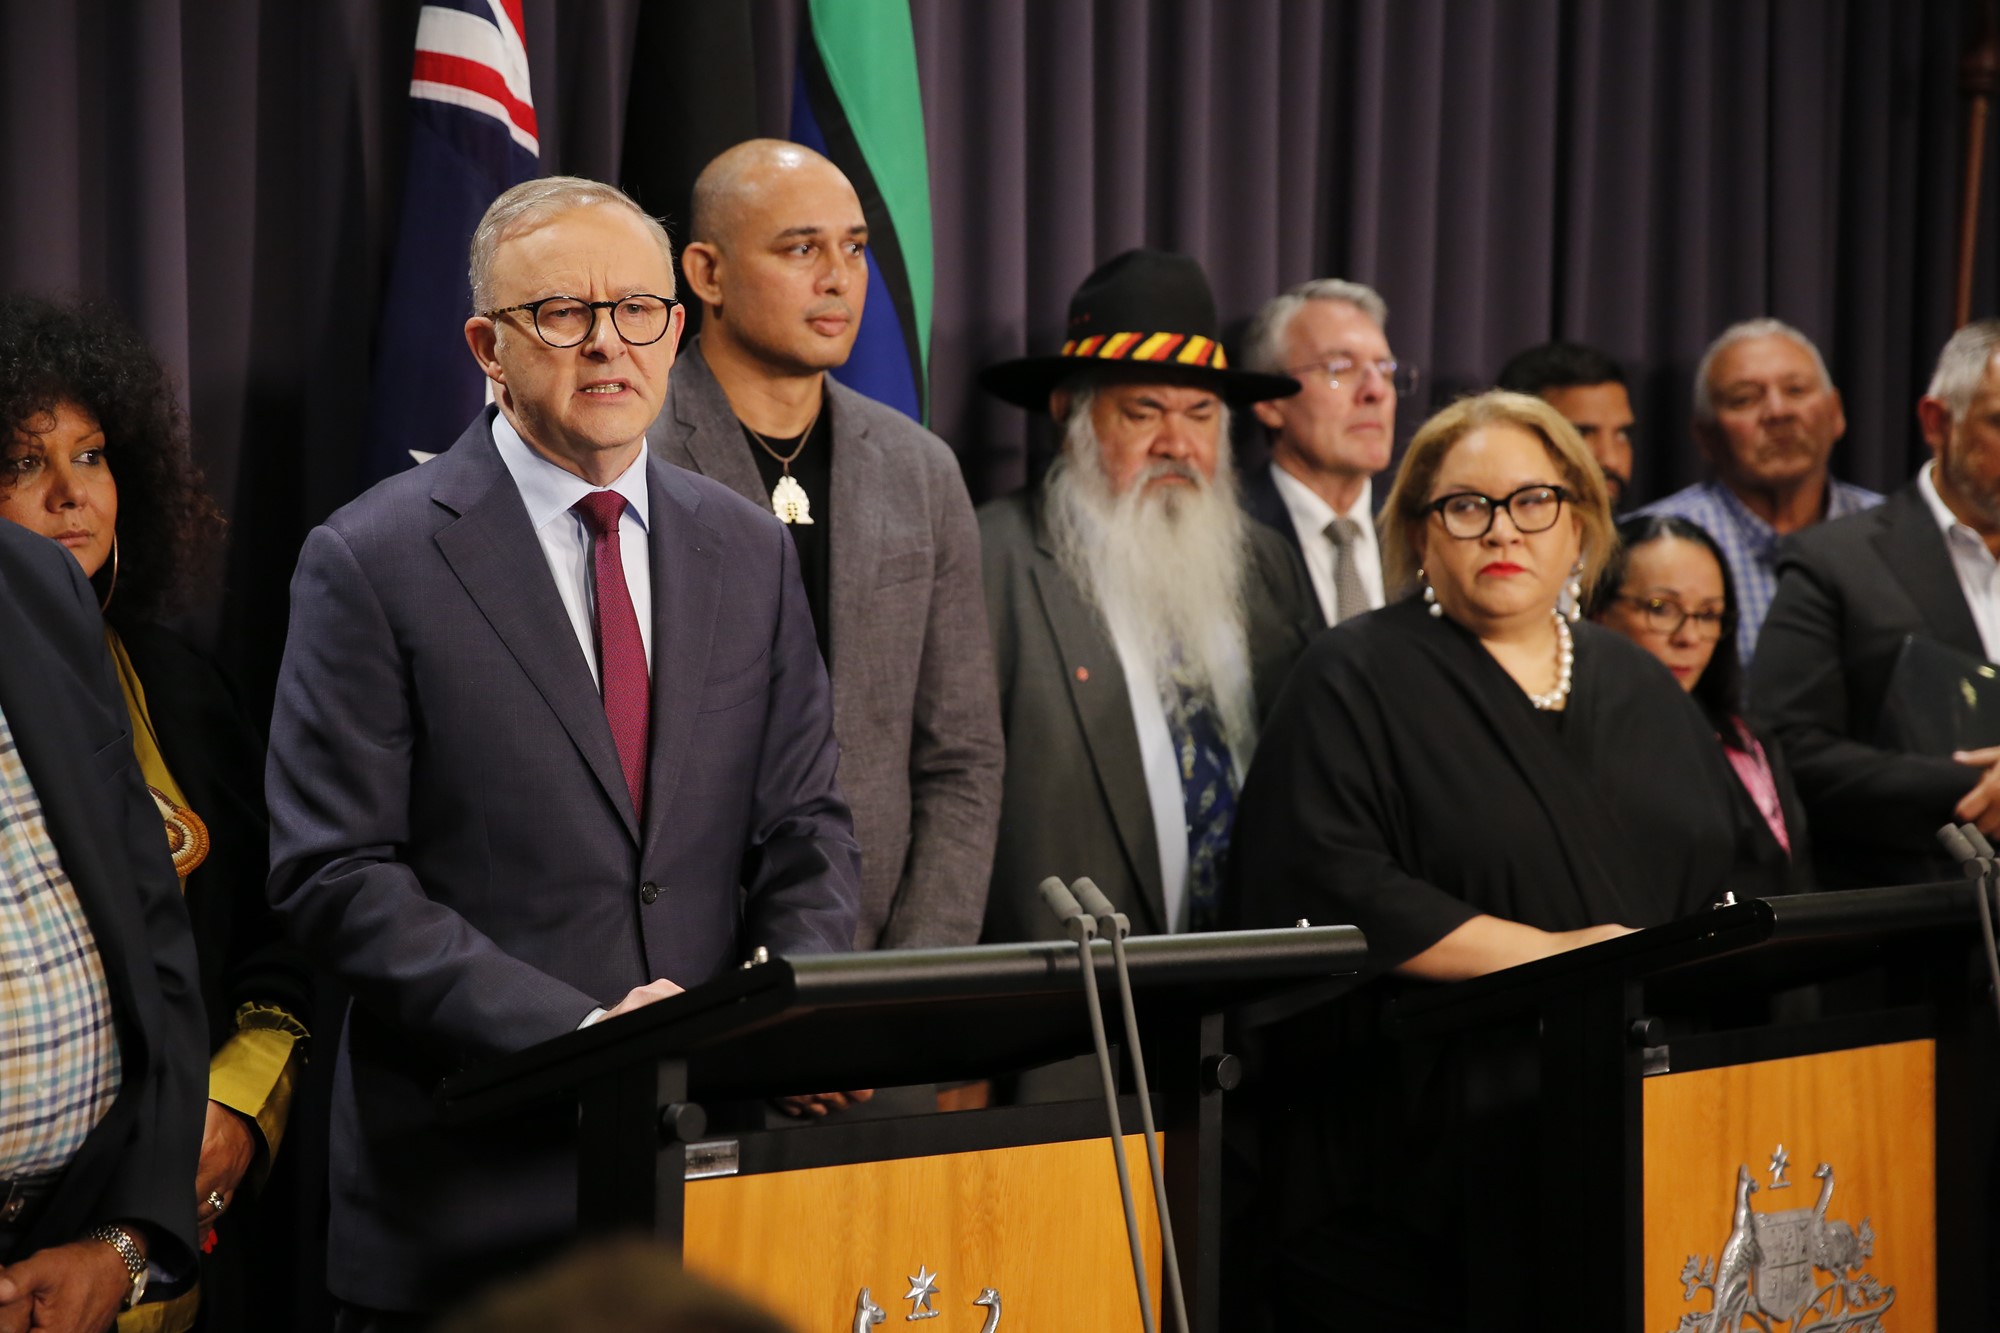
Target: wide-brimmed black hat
1145	315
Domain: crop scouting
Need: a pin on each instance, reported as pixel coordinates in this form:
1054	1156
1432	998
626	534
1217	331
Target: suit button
649	892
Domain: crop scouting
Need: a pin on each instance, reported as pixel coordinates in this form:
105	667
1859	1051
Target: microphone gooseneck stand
1081	928
1115	925
1966	845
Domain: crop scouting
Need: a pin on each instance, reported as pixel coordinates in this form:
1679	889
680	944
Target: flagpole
1978	79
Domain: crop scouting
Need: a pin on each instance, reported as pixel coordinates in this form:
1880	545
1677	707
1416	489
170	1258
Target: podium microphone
1114	925
1966	845
1081	927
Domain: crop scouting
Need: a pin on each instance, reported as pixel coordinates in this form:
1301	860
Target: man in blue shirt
1766	418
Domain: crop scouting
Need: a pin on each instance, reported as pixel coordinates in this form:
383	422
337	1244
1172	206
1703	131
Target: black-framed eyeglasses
1399	375
1468	514
1665	616
568	321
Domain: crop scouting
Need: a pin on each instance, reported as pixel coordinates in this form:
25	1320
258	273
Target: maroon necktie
621	653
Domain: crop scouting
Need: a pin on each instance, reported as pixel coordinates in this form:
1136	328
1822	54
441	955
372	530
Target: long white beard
1166	569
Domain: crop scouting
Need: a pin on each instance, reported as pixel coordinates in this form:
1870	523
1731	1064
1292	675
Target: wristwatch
119	1239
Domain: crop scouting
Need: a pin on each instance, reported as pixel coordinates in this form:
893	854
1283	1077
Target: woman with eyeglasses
1667	588
1477	782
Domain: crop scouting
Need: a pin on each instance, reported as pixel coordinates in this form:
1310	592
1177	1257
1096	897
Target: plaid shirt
59	1061
1750	544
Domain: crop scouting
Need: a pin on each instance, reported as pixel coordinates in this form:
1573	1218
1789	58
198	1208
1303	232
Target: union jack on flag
472	136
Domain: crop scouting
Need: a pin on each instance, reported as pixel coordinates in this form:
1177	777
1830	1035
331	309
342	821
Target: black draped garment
1405	784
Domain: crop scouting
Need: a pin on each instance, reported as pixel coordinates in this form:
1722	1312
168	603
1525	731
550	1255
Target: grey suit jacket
452	836
1075	801
913	694
1849	591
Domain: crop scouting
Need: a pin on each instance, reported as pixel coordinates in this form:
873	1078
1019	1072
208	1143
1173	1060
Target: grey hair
1264	340
534	202
1962	365
1704	400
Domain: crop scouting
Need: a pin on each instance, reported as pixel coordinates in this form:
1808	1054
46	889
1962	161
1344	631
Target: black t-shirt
812	468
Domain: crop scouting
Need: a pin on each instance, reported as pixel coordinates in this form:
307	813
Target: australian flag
472	136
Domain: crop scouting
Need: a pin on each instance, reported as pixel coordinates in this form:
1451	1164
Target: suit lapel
699	430
859	481
56	739
1097	690
685	557
498	559
1913	550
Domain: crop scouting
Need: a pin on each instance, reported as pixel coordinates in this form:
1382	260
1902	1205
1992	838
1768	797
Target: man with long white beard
1141	623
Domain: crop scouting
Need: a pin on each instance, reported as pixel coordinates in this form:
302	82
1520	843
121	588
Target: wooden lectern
1706	1161
949	1216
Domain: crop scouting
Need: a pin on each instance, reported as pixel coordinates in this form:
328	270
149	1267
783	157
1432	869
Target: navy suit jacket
452	834
74	737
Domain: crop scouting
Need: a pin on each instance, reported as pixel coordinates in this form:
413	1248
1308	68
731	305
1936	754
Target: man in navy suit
553	740
1330	438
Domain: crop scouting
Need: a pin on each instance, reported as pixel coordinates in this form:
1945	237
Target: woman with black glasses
1477	782
1667	589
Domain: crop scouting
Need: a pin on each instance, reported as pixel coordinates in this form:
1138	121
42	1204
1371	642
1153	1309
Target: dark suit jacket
69	724
913	697
1848	593
1075	799
217	757
452	835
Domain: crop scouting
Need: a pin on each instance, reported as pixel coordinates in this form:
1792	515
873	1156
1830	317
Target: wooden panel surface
1867	1113
1041	1224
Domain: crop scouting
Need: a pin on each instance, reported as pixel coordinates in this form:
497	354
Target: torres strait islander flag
859	103
472	135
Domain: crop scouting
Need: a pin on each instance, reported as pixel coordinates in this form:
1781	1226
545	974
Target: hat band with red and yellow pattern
1174	348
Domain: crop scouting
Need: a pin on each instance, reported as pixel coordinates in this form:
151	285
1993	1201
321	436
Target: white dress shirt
1310	515
548	492
1163	777
1978	571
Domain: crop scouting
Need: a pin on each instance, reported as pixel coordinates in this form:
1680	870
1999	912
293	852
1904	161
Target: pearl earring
1576	593
1430	595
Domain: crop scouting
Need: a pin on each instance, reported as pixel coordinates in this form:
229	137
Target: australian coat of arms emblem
1789	1271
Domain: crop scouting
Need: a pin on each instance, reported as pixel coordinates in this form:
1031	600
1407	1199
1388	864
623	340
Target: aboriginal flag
472	136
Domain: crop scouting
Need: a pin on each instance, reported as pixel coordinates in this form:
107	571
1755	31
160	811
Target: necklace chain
785	460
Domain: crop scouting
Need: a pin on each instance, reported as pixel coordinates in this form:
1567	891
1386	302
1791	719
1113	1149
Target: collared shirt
548	492
1310	516
1978	571
1163	776
1165	795
1750	544
60	1067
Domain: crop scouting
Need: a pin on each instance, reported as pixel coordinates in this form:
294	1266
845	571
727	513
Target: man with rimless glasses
553	740
1330	439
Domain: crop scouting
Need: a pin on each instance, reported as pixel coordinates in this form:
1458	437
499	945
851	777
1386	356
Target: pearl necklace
1565	667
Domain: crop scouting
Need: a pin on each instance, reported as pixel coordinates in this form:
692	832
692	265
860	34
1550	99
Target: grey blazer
913	693
1075	801
451	834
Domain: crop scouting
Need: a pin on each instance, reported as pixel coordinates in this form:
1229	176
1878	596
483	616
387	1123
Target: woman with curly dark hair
96	457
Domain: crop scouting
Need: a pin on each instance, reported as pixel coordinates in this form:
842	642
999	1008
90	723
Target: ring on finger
216	1201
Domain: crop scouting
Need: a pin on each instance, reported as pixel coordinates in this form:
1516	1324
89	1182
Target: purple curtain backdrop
1633	173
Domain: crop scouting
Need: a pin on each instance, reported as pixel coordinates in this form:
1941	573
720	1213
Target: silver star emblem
923	1290
1779	1162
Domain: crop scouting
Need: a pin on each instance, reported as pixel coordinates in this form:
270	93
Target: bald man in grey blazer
887	542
